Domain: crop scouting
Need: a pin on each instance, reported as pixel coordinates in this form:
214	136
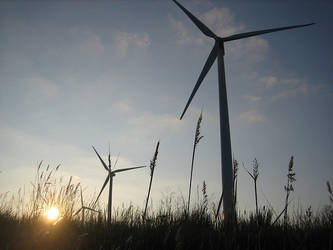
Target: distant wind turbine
109	179
218	51
83	208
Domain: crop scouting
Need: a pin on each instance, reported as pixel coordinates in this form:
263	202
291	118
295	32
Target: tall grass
289	187
152	169
254	175
49	191
169	226
197	138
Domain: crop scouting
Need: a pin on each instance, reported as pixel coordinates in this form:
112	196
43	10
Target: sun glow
52	214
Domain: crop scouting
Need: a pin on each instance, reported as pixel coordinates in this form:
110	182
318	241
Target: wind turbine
109	179
218	51
83	207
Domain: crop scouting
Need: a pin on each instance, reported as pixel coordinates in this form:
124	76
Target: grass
152	169
197	138
23	224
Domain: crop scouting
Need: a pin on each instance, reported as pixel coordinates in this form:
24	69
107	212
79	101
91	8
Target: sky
79	73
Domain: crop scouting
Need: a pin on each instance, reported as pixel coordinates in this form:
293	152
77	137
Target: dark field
23	224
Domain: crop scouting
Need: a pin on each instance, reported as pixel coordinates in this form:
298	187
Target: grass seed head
197	131
255	169
291	175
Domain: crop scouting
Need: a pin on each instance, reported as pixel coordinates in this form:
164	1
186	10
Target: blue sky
75	74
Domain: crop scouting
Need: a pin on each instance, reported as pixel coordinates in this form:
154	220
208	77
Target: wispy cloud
221	21
253	49
268	81
143	128
156	123
208	116
279	87
251	117
21	142
122	106
252	98
127	40
301	89
185	35
83	165
89	42
117	161
285	87
41	86
92	44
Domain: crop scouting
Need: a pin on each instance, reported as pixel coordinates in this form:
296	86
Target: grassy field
24	224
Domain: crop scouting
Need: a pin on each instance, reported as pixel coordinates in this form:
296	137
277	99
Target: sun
52	214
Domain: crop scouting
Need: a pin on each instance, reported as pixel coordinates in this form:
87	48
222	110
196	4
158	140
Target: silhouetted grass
23	226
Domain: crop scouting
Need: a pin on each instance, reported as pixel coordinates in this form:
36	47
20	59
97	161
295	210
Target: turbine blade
125	169
105	183
109	157
105	166
115	164
81	196
78	211
204	29
90	209
210	60
260	32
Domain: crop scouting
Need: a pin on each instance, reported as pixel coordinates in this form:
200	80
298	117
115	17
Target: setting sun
52	214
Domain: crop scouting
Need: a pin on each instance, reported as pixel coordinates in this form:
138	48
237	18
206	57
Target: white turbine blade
125	169
109	157
78	211
105	183
197	22
210	60
115	164
105	166
260	32
90	209
81	196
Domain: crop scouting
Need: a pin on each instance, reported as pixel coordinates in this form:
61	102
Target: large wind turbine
110	176
218	51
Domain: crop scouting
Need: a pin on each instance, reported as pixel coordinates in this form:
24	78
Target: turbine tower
218	51
109	178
